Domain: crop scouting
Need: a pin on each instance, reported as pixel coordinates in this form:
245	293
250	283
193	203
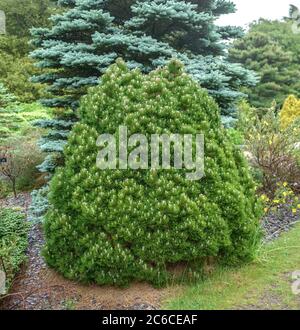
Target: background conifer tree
90	34
271	49
22	15
6	97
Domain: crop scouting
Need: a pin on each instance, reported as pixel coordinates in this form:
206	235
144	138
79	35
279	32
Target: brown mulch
23	201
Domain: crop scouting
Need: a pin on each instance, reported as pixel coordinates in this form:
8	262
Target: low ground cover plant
13	242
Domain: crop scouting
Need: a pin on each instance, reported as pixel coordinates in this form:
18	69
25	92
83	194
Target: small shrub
6	98
246	116
13	242
235	136
16	120
39	205
22	156
284	196
4	189
114	226
16	69
272	151
290	111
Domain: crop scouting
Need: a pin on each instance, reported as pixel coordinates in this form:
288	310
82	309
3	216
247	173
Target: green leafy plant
290	111
284	199
13	242
246	117
16	69
271	150
6	98
236	137
4	189
115	226
21	157
17	119
21	16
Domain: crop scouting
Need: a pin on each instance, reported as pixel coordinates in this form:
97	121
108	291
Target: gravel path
39	288
29	273
277	223
23	201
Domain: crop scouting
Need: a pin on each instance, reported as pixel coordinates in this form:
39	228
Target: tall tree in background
272	50
91	34
22	15
186	30
16	68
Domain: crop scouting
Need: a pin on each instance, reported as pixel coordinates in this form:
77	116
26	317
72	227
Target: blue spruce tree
89	35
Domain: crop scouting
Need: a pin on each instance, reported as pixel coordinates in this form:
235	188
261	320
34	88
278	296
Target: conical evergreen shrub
117	226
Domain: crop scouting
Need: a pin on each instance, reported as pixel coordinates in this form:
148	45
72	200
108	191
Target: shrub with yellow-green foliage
16	119
118	226
16	69
290	111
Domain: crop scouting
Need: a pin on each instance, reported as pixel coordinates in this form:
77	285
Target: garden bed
274	224
37	287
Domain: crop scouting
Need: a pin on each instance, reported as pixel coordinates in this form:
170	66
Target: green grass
264	284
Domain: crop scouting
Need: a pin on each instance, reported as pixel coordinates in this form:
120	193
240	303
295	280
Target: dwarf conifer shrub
85	37
117	226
